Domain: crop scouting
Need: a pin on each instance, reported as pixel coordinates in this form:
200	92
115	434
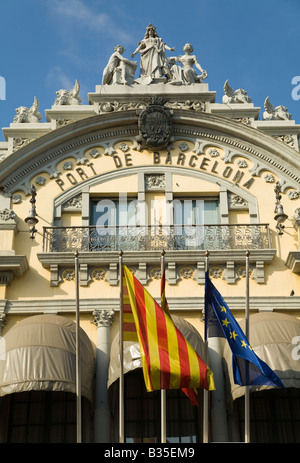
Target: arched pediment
199	129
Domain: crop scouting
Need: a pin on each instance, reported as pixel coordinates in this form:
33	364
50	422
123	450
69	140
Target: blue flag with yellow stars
248	368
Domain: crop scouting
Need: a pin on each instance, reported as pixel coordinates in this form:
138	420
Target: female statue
153	55
188	73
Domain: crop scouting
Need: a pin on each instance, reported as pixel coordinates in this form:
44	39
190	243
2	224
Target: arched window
142	413
42	417
274	416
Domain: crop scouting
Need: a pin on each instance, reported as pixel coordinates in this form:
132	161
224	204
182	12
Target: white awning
39	353
271	337
132	354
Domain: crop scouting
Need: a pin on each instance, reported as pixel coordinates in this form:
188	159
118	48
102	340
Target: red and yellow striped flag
168	360
129	328
192	394
164	303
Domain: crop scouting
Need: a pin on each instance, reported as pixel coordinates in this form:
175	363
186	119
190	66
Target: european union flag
248	368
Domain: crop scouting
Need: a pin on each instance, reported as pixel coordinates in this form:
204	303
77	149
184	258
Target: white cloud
73	16
58	78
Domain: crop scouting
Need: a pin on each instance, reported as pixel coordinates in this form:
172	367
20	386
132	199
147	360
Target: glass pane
143	414
42	417
272	416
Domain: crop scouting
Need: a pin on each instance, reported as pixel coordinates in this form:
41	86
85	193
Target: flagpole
205	392
247	392
121	378
78	363
163	392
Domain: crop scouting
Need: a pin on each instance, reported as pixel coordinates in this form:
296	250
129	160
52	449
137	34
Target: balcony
156	238
185	247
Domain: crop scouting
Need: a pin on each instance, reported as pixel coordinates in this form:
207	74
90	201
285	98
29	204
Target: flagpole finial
121	253
247	253
163	252
206	253
76	254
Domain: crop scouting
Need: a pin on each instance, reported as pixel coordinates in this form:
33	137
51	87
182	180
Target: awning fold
271	337
39	353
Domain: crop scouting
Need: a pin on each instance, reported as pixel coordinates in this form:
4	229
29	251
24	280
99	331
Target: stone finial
275	113
65	97
28	115
235	96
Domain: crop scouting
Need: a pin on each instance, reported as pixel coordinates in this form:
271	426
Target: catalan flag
190	393
248	368
164	303
129	328
168	360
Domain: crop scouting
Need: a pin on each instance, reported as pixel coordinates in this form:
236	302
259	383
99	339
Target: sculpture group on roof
155	67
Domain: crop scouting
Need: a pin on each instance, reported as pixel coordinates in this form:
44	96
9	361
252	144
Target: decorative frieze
19	142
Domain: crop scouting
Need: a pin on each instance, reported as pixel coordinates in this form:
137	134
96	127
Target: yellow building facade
150	165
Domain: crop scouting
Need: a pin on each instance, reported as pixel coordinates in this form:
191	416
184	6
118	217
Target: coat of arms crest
155	124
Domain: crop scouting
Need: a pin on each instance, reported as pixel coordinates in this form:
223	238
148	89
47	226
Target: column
103	320
219	429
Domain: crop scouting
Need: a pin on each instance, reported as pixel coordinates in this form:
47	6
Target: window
115	224
194	221
143	416
110	213
196	211
40	417
274	416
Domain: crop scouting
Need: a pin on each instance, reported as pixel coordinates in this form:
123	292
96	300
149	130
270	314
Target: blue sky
47	44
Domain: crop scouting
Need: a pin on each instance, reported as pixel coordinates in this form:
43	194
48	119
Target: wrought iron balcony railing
153	238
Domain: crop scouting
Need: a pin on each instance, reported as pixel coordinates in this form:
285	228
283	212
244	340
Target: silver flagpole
78	363
163	392
205	392
247	392
121	379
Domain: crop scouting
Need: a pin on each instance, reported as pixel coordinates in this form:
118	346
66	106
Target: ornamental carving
186	273
7	214
73	203
155	124
103	318
99	274
155	273
68	275
155	182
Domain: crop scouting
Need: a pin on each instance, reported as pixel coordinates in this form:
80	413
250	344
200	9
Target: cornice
177	304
